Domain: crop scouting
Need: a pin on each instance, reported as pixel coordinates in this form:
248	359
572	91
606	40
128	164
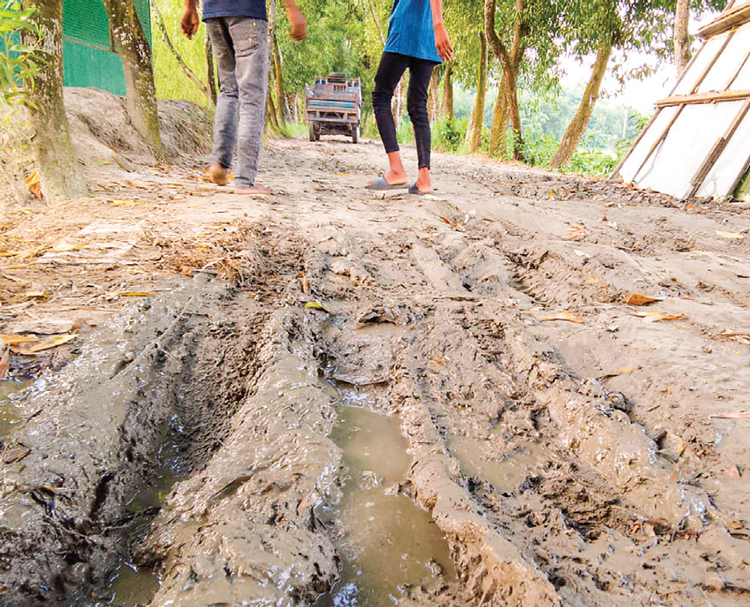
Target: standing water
9	415
386	541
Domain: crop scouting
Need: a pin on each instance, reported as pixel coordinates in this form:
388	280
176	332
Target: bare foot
254	190
424	183
218	174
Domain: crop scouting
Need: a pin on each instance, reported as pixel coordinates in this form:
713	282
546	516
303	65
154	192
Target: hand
189	21
298	23
443	43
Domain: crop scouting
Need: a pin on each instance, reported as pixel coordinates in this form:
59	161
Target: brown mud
219	419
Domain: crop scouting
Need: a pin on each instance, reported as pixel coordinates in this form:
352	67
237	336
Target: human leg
225	121
420	72
392	67
250	39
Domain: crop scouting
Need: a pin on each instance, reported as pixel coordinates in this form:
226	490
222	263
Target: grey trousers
240	45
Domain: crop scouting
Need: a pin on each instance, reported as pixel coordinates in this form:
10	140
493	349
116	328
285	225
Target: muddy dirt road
336	397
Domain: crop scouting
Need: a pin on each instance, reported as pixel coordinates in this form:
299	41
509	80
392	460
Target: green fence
89	59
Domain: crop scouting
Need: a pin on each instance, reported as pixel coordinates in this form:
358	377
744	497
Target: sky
639	94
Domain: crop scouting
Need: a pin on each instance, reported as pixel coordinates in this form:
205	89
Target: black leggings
392	67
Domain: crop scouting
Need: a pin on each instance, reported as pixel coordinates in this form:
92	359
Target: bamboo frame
699	98
697	84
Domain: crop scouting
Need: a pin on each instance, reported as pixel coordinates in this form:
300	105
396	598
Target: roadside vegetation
501	96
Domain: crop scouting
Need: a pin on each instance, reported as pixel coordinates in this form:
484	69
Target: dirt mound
104	139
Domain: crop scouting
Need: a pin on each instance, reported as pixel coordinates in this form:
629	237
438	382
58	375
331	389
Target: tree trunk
581	120
278	81
377	21
448	93
433	100
509	69
211	71
682	51
498	133
51	144
476	123
399	101
131	44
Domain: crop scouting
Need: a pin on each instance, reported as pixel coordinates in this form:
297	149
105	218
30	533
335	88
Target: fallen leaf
34	183
658	316
126	203
316	305
187	271
636	299
733	471
37	294
452	224
136	294
12	340
64	248
729	235
47	344
731	415
577	233
741	337
622	371
565	315
5	364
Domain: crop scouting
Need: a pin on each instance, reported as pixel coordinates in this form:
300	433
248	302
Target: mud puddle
505	472
386	542
9	415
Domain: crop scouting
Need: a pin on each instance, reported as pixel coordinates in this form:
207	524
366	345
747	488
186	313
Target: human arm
442	41
296	20
190	20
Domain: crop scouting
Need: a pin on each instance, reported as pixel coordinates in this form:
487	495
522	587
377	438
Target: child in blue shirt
417	40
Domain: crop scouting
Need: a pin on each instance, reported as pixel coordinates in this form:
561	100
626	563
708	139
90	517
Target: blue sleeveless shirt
411	31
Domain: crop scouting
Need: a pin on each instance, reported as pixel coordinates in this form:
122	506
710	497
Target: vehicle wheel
313	135
355	134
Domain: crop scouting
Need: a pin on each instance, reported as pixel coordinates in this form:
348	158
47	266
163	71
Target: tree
51	144
682	51
476	122
510	66
132	45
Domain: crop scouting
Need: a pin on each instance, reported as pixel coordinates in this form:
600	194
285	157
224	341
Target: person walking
417	41
238	32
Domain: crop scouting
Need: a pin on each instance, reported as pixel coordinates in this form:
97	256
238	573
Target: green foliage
18	62
171	82
449	134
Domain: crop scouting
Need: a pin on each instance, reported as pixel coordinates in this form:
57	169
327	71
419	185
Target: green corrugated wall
88	57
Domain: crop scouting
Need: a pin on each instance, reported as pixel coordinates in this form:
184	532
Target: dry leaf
12	340
729	235
577	233
636	299
5	364
136	294
64	248
37	294
733	471
34	183
47	344
187	271
622	371
741	337
316	305
565	315
658	316
731	415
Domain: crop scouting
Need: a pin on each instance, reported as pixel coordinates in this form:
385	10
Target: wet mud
382	403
